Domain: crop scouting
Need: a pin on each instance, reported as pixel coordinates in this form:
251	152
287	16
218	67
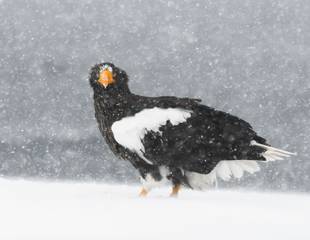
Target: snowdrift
40	210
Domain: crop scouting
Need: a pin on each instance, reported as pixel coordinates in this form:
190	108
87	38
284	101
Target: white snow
129	131
39	210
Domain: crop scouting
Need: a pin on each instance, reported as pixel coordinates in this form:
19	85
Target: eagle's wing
183	133
199	138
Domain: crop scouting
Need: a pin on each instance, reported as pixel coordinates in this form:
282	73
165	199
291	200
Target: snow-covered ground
40	210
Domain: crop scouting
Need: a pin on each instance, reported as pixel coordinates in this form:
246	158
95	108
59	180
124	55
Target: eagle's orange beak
106	78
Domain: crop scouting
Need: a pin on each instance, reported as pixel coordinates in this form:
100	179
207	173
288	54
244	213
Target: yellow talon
143	192
175	190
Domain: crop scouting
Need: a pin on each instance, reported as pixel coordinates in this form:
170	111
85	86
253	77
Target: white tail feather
235	168
273	149
273	154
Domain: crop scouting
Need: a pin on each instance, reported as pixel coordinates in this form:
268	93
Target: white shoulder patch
129	131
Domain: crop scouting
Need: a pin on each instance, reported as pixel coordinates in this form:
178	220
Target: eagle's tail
271	153
229	169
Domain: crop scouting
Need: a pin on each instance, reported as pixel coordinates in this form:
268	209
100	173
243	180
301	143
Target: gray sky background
250	58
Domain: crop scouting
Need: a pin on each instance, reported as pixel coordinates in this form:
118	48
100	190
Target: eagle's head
106	77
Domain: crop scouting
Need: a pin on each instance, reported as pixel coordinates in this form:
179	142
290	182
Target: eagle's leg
175	190
177	177
143	192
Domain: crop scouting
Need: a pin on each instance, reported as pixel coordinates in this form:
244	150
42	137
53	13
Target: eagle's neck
112	106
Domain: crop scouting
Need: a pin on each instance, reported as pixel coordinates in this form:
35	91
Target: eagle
171	140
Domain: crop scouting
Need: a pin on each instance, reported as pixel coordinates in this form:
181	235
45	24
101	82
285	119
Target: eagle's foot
143	192
175	190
